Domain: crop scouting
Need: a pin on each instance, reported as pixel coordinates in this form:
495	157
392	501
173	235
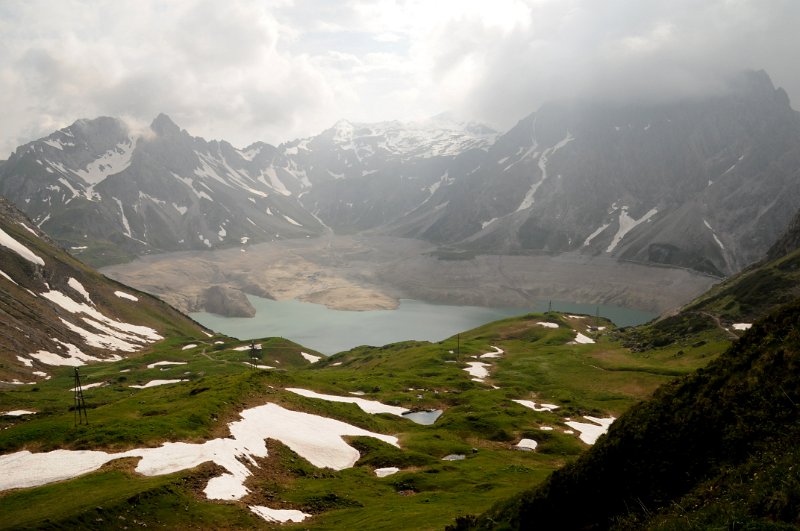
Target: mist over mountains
707	184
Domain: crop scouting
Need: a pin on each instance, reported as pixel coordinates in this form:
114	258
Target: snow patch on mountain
10	243
77	286
70	305
111	162
75	193
593	235
527	201
714	234
274	181
627	224
189	182
124	218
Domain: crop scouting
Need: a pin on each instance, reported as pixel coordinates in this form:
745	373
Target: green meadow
480	422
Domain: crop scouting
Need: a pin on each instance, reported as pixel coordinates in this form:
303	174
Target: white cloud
247	70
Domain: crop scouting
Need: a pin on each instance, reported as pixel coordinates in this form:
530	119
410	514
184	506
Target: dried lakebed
371	272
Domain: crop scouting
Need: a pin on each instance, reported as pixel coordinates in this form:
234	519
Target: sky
277	70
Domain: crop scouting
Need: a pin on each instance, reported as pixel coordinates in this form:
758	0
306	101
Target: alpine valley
119	411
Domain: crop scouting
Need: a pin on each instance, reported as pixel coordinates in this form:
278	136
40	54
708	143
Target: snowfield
315	438
368	406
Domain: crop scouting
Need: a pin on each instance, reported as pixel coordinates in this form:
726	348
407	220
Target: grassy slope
716	448
752	293
599	379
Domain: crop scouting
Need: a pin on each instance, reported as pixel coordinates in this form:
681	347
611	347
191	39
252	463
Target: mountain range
707	184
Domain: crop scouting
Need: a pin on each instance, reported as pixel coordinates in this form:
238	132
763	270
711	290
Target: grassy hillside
714	449
480	421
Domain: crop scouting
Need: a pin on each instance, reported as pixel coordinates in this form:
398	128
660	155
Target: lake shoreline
330	331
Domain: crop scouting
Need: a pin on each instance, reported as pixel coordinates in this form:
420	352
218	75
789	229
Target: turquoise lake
331	331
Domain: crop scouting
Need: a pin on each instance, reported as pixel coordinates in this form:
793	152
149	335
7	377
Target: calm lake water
331	331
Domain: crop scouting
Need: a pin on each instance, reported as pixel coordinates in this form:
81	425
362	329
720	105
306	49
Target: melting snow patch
627	224
290	220
243	348
742	326
109	163
4	275
547	325
478	370
368	406
498	352
189	346
123	295
582	339
454	457
310	357
589	433
527	201
155	383
317	439
7	241
714	234
88	386
28	229
593	235
17	413
113	341
76	358
388	471
74	307
279	515
77	286
526	444
263	367
540	407
160	363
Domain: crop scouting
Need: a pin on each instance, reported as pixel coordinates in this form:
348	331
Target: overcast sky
247	70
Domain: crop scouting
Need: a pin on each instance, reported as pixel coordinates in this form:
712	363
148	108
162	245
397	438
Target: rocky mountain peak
163	125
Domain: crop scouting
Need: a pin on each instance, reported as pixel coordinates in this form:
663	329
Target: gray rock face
226	301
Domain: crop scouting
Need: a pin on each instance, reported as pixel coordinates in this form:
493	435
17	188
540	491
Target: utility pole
79	406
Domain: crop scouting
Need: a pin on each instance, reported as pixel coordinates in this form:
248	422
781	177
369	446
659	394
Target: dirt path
719	324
